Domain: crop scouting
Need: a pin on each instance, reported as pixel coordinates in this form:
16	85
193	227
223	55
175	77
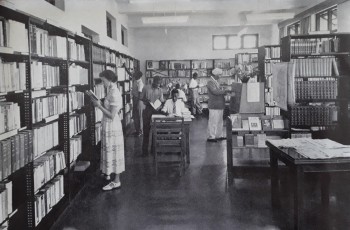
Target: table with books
246	148
306	155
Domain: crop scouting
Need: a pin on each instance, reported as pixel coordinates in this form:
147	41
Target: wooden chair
169	144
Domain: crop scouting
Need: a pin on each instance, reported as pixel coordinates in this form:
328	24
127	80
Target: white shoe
112	185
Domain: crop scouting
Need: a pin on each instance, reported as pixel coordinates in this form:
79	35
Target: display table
187	123
299	165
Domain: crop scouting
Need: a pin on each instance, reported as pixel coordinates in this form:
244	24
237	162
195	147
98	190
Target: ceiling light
269	16
164	19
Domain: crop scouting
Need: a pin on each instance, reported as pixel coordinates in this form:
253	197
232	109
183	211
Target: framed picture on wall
149	64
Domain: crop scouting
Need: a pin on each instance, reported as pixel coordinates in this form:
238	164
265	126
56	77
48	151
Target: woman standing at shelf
112	140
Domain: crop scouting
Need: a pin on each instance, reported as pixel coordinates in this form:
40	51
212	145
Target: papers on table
314	148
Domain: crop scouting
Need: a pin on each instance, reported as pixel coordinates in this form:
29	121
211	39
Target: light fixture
268	16
165	19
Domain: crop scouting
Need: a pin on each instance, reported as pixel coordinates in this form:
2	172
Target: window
58	3
230	42
90	34
294	29
124	36
111	26
250	41
327	20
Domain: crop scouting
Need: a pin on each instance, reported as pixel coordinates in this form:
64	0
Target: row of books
244	58
76	99
15	152
78	75
272	52
257	123
45	137
313	115
96	70
47	167
269	99
48	197
203	98
44	75
12	76
272	111
269	65
316	89
314	45
249	140
76	51
177	65
10	118
51	105
98	115
224	64
226	81
310	67
202	64
43	44
300	135
75	145
13	35
77	123
98	54
180	73
114	69
6	207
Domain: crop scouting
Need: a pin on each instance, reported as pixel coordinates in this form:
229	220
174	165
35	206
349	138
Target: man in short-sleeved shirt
138	104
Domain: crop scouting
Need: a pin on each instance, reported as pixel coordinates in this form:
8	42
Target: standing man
216	106
195	103
150	94
138	105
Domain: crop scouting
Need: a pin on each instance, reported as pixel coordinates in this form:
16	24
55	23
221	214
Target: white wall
344	17
90	13
190	42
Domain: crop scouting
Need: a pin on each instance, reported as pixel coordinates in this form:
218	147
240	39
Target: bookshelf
47	122
180	71
321	83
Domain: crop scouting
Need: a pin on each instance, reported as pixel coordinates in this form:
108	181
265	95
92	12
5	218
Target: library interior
174	114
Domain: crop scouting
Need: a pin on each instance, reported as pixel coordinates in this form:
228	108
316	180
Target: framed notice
149	65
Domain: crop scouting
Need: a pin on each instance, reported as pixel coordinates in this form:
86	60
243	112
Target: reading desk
298	165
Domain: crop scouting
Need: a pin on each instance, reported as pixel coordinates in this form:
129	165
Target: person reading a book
152	96
196	107
112	139
174	106
216	105
139	106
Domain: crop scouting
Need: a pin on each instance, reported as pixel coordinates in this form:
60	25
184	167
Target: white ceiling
212	12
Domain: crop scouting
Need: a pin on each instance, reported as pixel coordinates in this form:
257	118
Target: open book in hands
91	95
156	105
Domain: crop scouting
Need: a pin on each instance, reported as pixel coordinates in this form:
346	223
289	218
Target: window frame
240	38
124	35
297	27
256	42
329	19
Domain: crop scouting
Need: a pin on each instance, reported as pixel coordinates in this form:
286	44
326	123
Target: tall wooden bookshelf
48	69
180	71
321	83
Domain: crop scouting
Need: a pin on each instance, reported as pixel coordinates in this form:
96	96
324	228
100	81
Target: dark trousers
147	118
137	115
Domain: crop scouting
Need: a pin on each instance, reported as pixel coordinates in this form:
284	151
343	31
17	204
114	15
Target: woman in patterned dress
112	140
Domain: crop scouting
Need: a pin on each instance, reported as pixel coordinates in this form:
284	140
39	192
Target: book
236	121
278	122
249	139
266	123
91	95
245	124
254	123
156	104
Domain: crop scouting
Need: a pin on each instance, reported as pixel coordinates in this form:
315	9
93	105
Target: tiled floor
200	199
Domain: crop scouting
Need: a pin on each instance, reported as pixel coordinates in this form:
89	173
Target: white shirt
193	84
182	95
179	107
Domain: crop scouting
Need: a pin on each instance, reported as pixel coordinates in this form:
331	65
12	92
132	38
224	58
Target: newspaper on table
314	148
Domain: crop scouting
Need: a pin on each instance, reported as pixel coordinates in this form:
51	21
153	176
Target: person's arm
215	90
164	110
108	113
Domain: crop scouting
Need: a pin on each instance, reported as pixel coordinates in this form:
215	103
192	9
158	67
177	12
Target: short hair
177	86
174	91
109	75
156	79
195	75
137	74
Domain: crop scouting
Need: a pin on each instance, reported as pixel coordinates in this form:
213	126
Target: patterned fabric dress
112	140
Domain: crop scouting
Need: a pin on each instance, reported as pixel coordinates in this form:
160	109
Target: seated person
182	94
173	106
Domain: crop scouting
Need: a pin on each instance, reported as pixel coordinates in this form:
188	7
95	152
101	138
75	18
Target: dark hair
156	80
173	92
137	74
177	86
195	75
109	75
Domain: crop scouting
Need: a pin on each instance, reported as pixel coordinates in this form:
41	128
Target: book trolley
45	112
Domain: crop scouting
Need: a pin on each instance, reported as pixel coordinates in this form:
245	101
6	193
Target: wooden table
187	123
298	166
